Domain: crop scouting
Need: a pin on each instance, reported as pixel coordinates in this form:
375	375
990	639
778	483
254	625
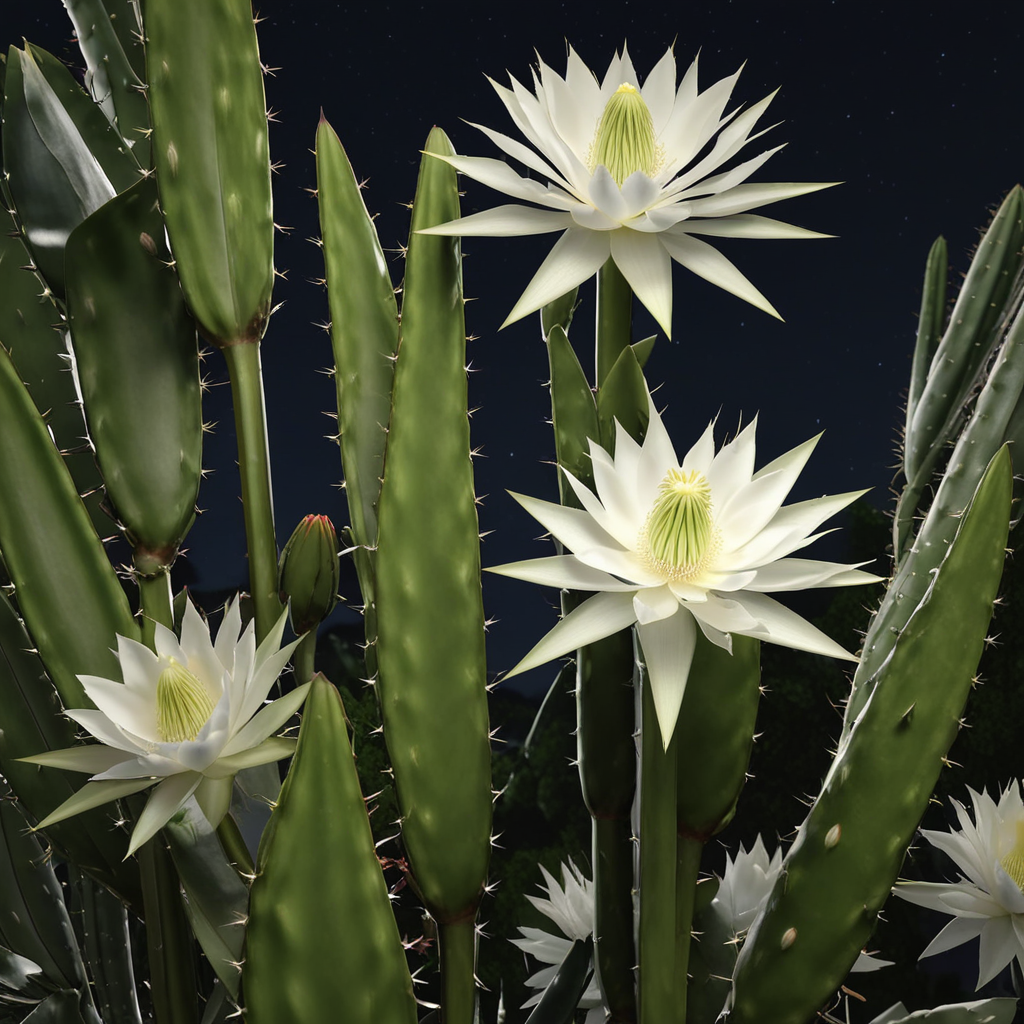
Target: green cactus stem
658	947
848	852
302	964
254	466
606	751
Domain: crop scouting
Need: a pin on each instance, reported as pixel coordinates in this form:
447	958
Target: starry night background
915	110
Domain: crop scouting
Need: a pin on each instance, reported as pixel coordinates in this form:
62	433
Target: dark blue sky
917	114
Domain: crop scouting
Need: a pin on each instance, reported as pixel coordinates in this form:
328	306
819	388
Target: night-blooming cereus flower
571	907
679	546
634	174
746	884
185	720
988	898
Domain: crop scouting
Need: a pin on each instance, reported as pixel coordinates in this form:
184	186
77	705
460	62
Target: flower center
182	704
679	531
1013	862
625	141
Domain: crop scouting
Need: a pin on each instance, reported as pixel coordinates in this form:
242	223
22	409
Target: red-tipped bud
308	572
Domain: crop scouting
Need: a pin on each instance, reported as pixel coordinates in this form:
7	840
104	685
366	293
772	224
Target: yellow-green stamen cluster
1013	862
182	704
625	141
679	530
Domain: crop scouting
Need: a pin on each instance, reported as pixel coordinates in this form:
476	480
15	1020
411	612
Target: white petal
778	625
654	604
606	195
623	529
203	661
727	616
668	648
702	454
104	730
561	571
1007	891
925	894
498	175
750	508
657	457
262	680
998	947
574	527
707	262
227	635
648	270
523	154
722	182
598	617
161	806
506	220
731	469
126	708
167	645
577	256
659	90
90	758
746	197
274	748
956	933
806	574
140	667
267	720
788	531
638	193
93	794
749	225
146	766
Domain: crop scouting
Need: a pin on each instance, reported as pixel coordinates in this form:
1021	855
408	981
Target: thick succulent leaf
212	160
138	370
62	158
110	37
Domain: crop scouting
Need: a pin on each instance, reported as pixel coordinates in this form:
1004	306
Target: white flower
746	884
631	178
571	907
988	898
186	718
676	546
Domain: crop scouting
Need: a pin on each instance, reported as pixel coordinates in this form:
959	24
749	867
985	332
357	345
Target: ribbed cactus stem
254	464
688	853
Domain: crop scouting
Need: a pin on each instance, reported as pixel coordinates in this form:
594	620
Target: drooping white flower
185	720
988	898
746	884
676	546
634	174
571	907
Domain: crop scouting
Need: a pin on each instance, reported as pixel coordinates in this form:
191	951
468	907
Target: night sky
917	113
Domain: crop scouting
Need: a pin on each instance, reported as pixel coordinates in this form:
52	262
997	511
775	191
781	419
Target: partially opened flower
571	907
185	720
987	900
680	546
635	173
746	884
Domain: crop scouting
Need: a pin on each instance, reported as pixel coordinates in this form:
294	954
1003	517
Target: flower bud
308	572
